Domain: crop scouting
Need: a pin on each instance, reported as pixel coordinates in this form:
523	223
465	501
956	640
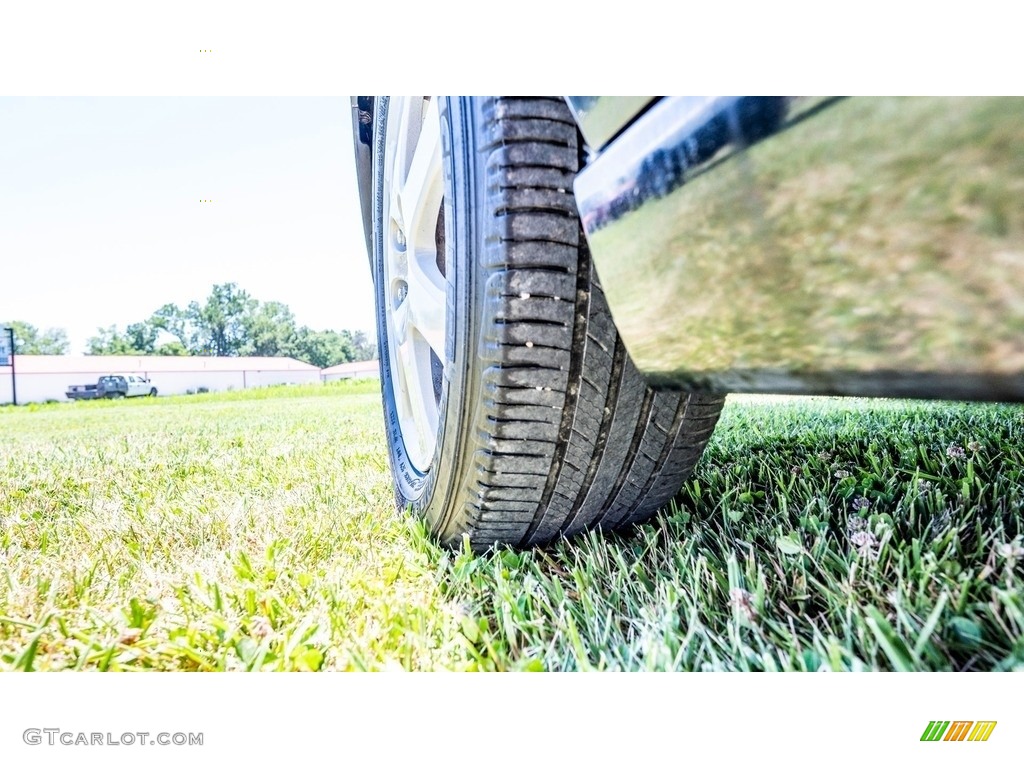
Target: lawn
255	530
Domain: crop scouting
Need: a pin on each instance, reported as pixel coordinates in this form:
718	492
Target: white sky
101	220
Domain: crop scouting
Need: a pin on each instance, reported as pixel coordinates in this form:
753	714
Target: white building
366	369
47	377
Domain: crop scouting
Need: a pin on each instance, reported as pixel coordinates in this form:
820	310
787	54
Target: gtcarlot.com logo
57	737
958	730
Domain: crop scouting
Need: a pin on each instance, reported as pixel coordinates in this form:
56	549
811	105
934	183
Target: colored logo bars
958	730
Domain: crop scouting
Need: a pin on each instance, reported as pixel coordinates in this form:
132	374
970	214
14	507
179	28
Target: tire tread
568	436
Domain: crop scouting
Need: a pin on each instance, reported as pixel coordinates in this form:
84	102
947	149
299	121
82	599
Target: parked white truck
112	387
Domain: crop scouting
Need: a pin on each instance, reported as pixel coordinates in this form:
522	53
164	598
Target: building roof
361	366
101	364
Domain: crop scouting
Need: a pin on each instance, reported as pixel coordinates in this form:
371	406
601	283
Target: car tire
513	412
152	392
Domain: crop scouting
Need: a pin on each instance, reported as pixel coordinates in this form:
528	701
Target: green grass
255	530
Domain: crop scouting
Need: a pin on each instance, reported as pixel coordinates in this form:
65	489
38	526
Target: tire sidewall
431	494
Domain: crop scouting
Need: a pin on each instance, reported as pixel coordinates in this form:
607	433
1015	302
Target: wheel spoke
421	193
401	320
427	298
422	408
406	133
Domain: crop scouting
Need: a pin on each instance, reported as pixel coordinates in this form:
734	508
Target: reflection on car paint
831	246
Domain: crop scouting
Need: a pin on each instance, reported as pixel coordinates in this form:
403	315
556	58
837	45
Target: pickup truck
112	387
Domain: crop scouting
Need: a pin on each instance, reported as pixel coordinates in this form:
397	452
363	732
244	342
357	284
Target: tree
138	339
171	349
142	336
270	331
363	347
230	322
174	320
220	323
29	340
109	341
323	348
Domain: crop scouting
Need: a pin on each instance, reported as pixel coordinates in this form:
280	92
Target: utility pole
7	358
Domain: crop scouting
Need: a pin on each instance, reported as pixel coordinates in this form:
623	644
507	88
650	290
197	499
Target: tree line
29	340
229	322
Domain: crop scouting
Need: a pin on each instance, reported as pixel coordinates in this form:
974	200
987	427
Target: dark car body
807	245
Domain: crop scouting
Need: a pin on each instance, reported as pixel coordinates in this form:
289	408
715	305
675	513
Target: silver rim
415	283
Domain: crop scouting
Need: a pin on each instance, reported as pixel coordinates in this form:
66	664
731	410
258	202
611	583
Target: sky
101	221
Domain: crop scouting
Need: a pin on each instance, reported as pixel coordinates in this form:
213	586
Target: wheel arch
362	143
